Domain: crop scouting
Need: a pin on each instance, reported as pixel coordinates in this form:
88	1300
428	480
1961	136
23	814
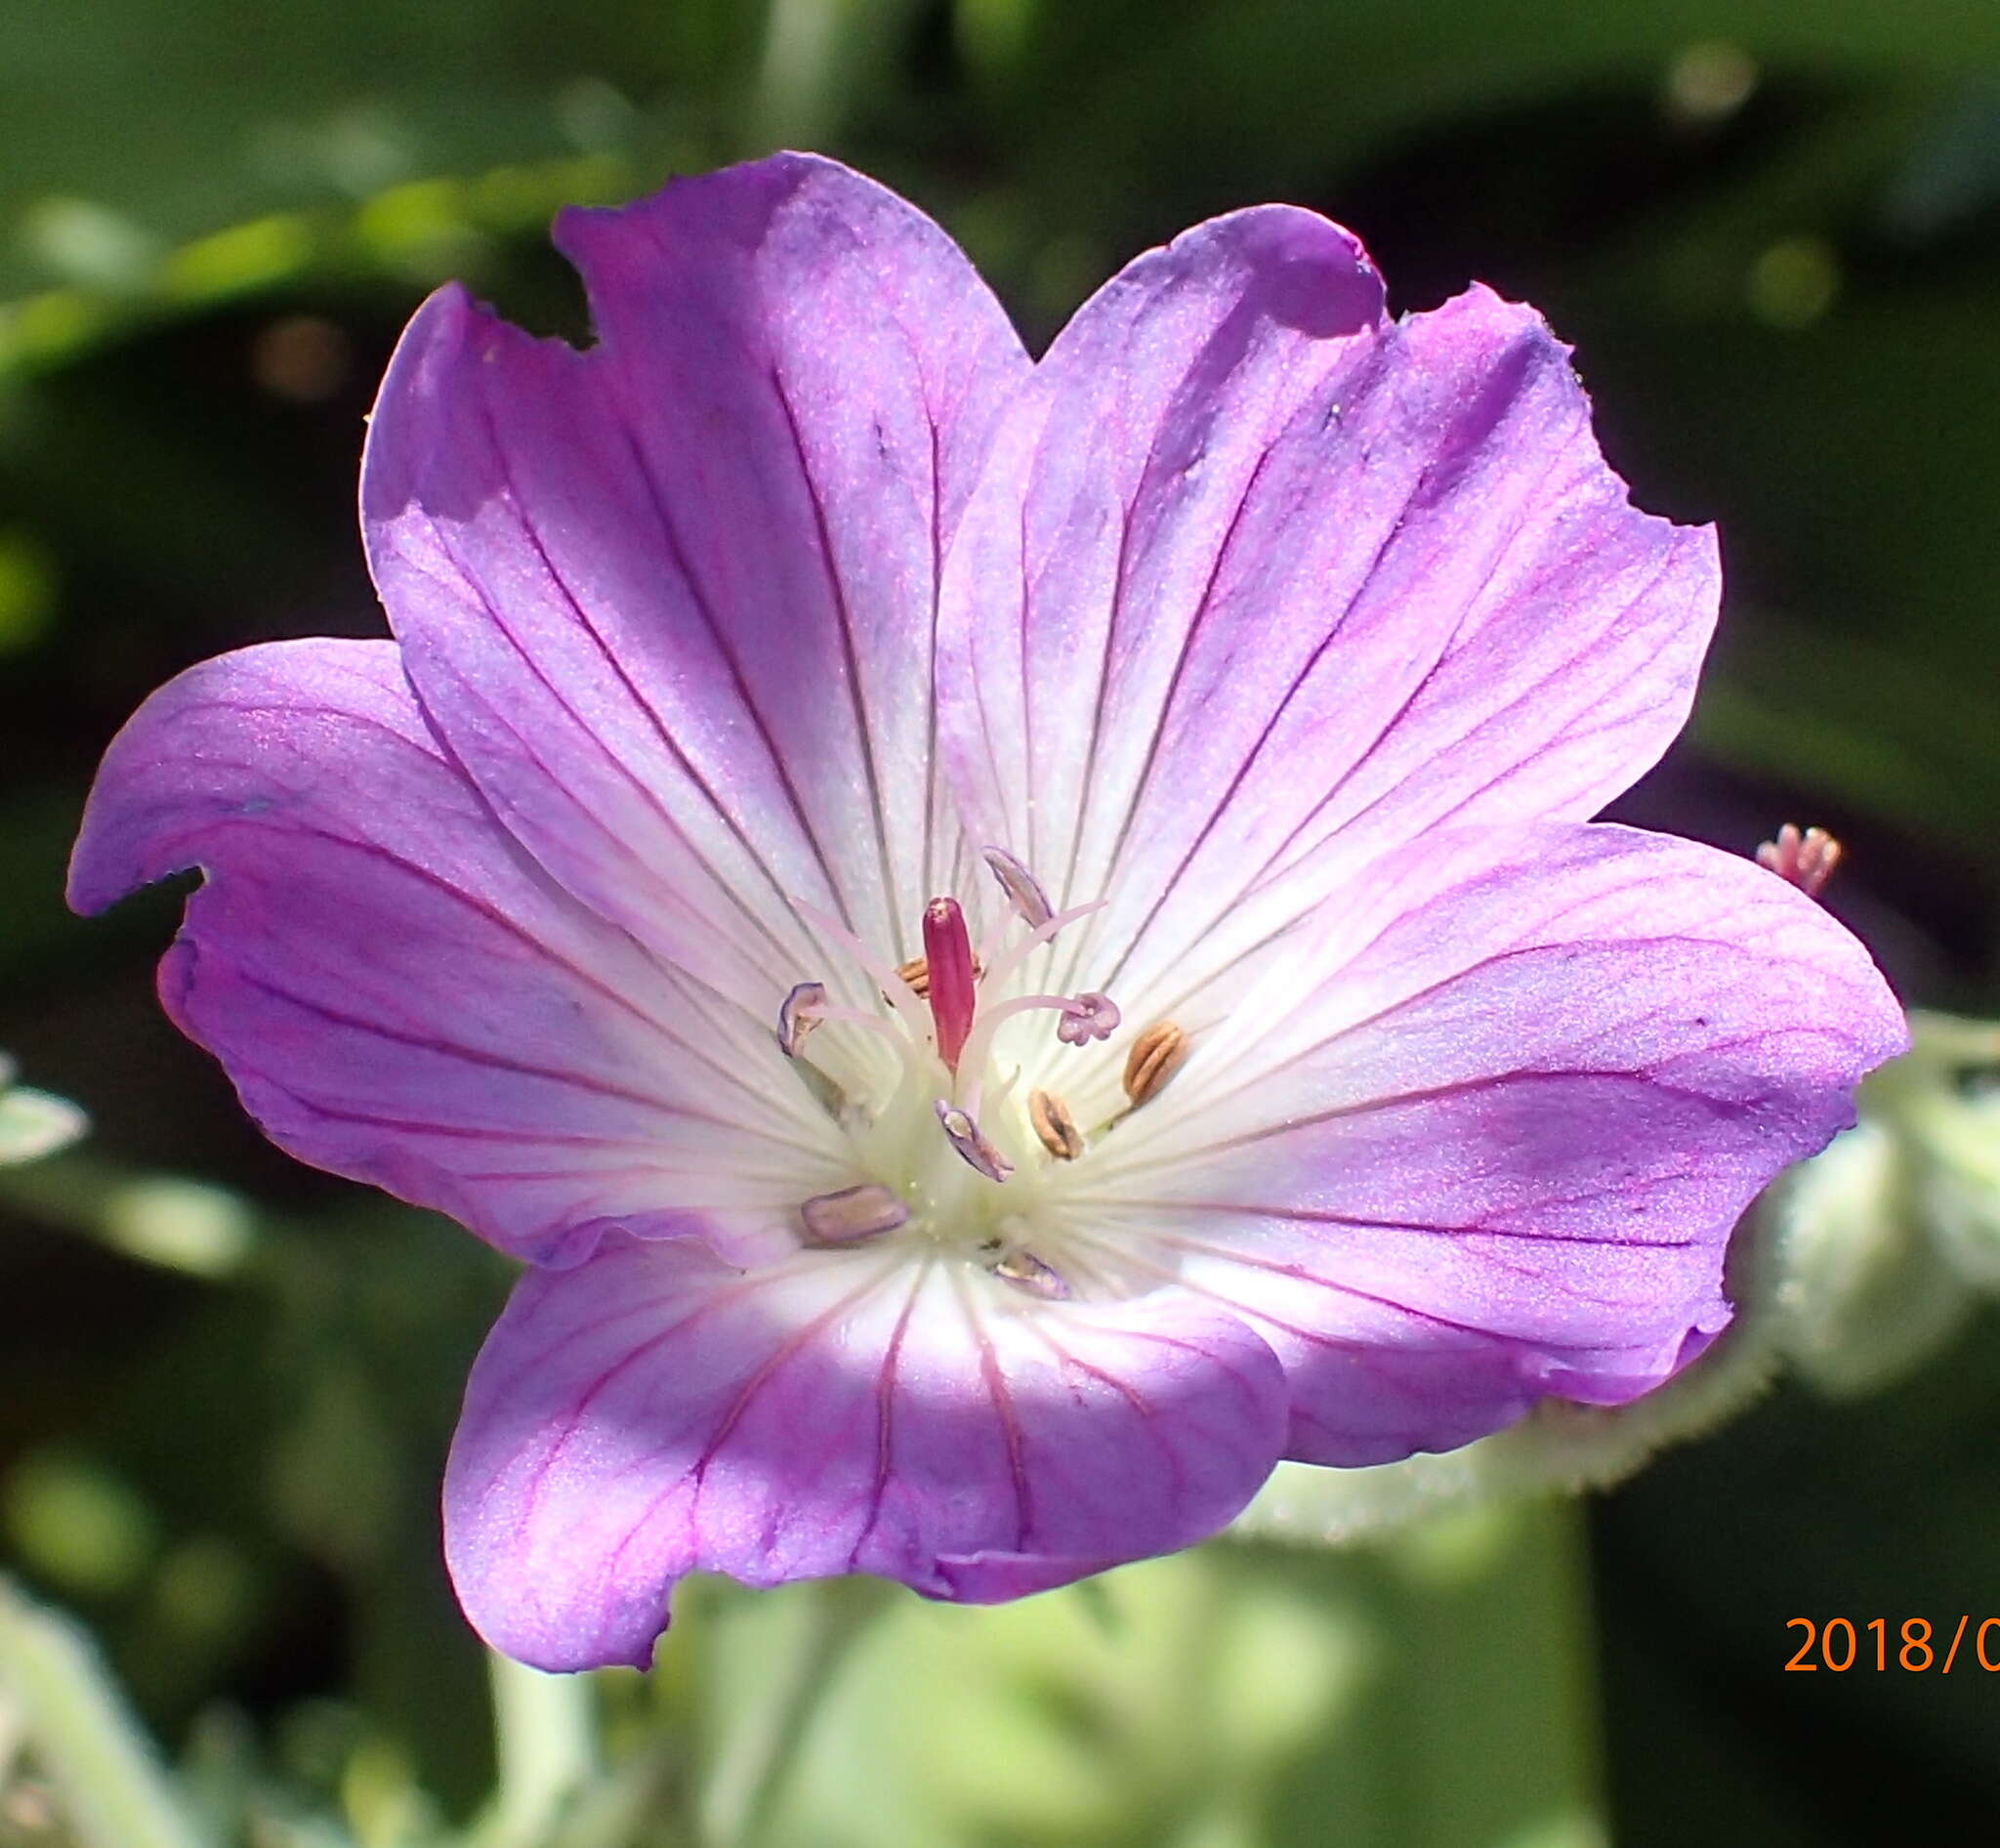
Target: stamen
951	992
1022	889
895	990
1088	1016
1025	1270
964	1135
1155	1058
806	1008
870	1022
1055	1125
1807	860
853	1213
992	1019
1028	945
798	1014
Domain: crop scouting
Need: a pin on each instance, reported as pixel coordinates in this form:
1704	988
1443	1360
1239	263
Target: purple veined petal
654	1413
400	994
1484	1136
1259	584
671	600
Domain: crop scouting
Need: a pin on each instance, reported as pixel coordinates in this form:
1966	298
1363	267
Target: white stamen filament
998	972
979	1041
903	998
857	1017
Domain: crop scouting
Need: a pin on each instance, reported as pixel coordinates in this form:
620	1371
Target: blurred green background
1772	229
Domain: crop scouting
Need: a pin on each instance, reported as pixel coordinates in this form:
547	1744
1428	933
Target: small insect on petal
1088	1017
1806	860
1055	1125
853	1213
798	1015
1155	1058
1026	1271
964	1135
1022	889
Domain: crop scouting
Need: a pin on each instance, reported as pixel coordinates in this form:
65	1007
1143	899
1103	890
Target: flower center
947	1153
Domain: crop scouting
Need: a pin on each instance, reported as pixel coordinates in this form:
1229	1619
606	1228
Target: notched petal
397	994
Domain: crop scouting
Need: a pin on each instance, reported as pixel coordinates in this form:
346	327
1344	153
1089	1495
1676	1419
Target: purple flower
1010	944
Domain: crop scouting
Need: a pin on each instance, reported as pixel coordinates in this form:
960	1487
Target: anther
1087	1016
1055	1125
1022	889
798	1015
964	1135
1155	1058
1804	860
1026	1271
853	1213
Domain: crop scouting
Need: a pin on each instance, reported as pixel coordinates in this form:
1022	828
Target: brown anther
916	973
1155	1058
1055	1125
1806	860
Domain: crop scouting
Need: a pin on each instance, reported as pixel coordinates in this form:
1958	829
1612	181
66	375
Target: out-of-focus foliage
226	1384
32	1123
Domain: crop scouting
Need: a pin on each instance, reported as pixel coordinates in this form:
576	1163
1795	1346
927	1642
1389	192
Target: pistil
959	990
952	990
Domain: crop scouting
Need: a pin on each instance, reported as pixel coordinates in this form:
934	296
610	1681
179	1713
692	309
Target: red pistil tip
948	959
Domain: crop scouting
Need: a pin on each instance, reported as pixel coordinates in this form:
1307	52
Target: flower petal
671	600
397	992
654	1412
1259	584
1483	1134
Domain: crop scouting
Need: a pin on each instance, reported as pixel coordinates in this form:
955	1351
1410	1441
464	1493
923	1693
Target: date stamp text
1884	1644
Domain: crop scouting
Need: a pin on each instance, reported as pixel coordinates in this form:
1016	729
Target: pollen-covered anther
1055	1125
1087	1016
853	1213
965	1136
1155	1058
1806	858
798	1015
1022	889
1026	1271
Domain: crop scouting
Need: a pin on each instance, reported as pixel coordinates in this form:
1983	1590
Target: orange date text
1881	1645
